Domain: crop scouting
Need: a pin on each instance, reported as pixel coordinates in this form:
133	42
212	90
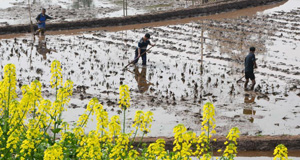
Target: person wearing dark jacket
41	19
142	47
250	64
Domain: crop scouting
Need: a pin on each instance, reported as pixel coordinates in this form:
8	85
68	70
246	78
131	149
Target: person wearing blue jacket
41	19
142	47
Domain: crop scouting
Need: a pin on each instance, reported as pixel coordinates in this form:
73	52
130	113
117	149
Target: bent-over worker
142	47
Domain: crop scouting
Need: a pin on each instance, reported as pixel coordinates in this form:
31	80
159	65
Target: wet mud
200	10
258	144
173	85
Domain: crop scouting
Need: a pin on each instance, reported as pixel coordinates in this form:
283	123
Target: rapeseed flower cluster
8	84
114	126
208	123
156	150
280	152
120	149
33	138
203	145
65	92
54	152
233	135
230	150
183	141
33	128
89	147
124	102
142	121
56	74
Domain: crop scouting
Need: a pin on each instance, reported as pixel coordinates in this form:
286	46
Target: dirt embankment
245	143
210	8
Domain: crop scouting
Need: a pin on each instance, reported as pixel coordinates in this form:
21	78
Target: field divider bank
245	143
201	10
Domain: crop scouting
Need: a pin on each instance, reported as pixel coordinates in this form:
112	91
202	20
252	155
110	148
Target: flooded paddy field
173	85
71	10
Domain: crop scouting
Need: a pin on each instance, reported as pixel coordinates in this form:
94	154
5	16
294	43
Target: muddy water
70	10
173	85
61	10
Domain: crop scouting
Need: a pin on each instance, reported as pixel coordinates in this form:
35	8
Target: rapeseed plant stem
23	137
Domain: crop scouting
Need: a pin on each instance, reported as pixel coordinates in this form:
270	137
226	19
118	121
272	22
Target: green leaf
56	130
58	122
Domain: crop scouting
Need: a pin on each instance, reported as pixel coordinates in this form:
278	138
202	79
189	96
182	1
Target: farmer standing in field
250	64
142	47
41	19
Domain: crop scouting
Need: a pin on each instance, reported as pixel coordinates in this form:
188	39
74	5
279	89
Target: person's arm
151	44
139	47
254	62
139	51
48	17
38	18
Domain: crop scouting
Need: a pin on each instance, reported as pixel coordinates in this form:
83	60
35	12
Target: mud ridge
245	143
210	8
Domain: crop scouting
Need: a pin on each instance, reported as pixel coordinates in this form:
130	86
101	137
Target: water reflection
42	47
140	77
249	99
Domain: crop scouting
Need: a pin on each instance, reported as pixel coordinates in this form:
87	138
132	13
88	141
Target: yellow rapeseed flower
183	141
65	92
202	145
156	150
90	147
114	126
206	156
230	150
280	152
56	74
120	150
9	82
54	152
208	123
102	119
124	102
33	138
36	89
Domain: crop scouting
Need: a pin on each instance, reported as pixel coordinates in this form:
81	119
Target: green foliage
33	128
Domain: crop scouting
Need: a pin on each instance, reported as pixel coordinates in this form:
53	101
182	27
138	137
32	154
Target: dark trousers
144	57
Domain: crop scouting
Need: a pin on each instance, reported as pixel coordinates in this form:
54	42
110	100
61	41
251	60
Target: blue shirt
42	18
143	44
249	62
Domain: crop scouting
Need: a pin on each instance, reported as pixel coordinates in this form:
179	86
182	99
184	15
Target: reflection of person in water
248	99
249	111
140	77
42	47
